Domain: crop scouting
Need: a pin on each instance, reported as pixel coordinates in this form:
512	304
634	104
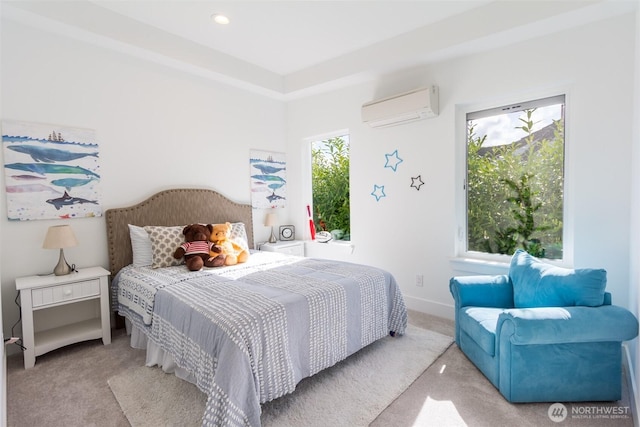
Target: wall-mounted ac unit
406	107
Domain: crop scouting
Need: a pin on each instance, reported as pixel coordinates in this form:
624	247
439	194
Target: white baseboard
631	382
431	307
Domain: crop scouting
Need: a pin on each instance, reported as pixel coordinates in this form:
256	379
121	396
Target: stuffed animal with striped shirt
197	250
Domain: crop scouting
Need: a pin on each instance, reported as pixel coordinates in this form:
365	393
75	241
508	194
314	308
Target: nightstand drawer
295	247
62	293
297	250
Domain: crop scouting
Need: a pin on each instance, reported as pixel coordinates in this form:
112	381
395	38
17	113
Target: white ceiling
292	48
287	36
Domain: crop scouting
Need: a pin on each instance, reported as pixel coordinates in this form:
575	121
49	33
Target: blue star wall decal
417	182
393	163
378	192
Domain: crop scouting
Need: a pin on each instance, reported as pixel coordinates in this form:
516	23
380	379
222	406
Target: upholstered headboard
170	207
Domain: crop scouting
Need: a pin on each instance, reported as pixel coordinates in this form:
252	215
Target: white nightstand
62	310
293	247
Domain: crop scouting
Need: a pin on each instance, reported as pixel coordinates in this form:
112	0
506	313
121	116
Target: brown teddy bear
197	250
234	253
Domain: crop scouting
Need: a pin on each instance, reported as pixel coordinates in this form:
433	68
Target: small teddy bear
234	253
197	250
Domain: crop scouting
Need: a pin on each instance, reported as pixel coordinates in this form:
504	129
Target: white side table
292	247
39	294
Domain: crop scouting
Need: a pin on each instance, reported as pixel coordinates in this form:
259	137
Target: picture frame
268	179
287	232
51	171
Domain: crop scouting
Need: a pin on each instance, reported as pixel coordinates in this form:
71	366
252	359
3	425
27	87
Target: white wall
413	232
634	229
157	129
160	128
3	359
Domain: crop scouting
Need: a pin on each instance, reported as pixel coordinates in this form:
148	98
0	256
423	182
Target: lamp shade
58	237
270	220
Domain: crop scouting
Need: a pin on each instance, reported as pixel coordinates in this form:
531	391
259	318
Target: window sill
470	266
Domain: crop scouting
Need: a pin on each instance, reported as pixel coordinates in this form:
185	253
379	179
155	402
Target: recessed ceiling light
220	19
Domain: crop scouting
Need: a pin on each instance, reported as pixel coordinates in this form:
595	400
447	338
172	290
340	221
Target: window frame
478	261
307	190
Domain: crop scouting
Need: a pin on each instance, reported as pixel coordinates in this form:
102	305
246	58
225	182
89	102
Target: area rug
351	393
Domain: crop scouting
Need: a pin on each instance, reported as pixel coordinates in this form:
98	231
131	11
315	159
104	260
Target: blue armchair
543	333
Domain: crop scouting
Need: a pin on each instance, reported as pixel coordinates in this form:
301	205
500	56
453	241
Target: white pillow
141	246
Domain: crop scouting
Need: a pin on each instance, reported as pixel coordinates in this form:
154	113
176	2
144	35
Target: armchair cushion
482	291
565	325
538	284
480	324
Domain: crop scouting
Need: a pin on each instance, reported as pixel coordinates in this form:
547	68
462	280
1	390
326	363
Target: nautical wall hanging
51	171
268	179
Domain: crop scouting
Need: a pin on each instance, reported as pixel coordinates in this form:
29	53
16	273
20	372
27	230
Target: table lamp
270	221
59	237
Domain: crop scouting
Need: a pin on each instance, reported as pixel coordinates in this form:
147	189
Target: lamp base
62	268
272	238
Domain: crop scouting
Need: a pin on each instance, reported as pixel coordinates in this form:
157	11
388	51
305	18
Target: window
330	186
515	178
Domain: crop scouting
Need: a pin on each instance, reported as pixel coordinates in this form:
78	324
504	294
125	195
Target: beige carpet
68	388
352	393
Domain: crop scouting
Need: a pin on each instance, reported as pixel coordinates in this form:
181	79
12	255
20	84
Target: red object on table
312	227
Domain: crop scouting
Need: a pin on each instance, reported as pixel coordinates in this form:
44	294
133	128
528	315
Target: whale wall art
51	172
268	179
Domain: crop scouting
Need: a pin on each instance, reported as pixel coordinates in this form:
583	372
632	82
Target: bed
244	334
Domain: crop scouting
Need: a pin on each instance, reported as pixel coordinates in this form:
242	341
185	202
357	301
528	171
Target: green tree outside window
515	190
330	183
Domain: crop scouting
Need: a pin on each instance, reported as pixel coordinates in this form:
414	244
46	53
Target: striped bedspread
135	287
249	337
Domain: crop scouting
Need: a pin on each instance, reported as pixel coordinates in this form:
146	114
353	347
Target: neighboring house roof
547	132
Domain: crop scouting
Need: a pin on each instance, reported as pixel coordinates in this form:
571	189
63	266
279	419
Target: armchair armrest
482	291
553	325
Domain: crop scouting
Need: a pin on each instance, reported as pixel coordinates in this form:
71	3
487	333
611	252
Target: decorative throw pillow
239	235
141	246
164	242
538	284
